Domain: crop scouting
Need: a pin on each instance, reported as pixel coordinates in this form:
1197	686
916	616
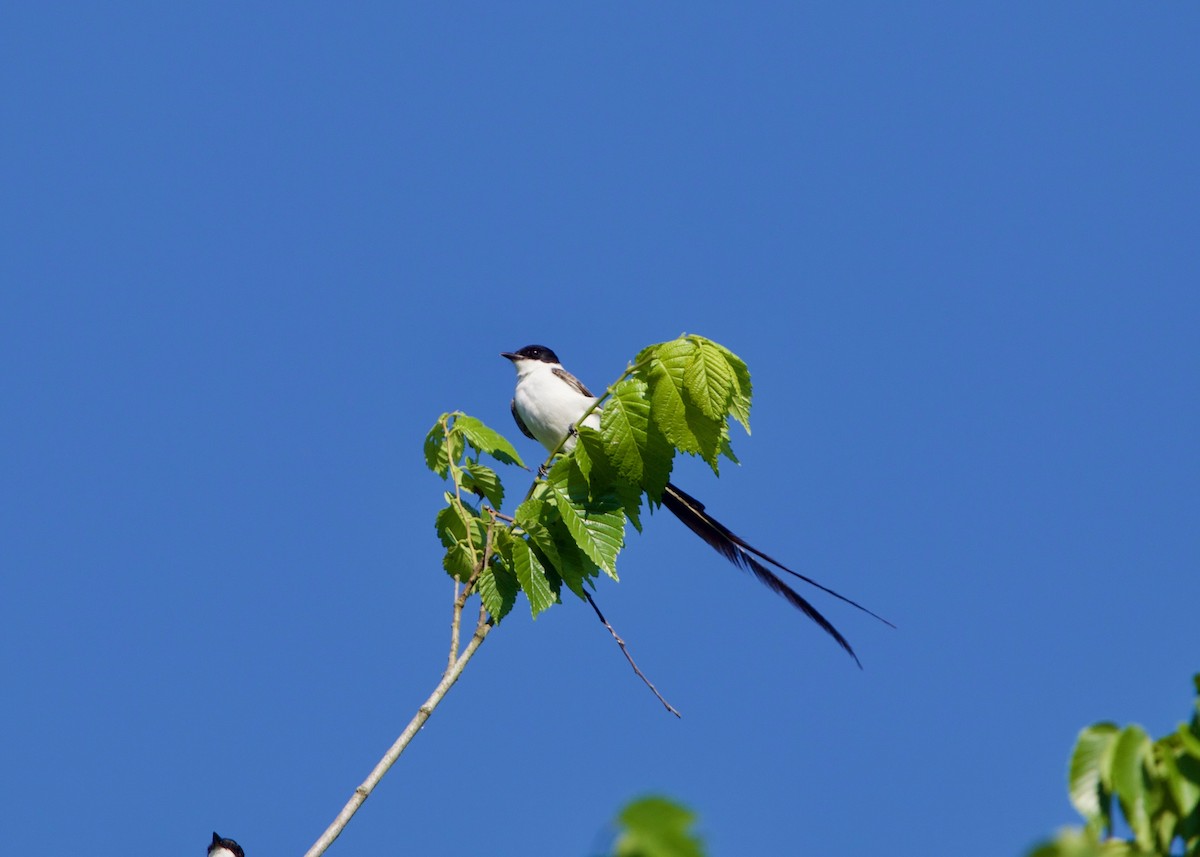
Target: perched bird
547	404
224	847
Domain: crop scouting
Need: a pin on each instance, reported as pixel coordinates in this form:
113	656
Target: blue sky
251	252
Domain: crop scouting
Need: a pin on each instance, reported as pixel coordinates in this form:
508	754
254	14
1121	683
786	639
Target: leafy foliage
1156	785
676	396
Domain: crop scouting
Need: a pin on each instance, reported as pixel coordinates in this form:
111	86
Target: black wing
520	423
573	381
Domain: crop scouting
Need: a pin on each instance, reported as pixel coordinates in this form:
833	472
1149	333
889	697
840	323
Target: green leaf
453	522
487	440
531	510
634	443
680	419
498	589
669	409
454	446
710	435
450	524
624	426
532	577
596	523
1183	776
541	538
574	566
709	380
602	477
460	561
483	480
1191	744
1082	843
435	448
1129	782
739	406
1088	777
657	827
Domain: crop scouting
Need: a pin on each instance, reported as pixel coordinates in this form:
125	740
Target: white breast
549	406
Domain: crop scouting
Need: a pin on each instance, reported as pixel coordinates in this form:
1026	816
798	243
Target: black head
228	844
532	352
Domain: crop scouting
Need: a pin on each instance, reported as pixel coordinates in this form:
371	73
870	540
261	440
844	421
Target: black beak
510	355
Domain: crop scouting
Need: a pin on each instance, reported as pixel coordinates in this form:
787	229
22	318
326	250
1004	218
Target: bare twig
364	791
614	633
628	656
449	677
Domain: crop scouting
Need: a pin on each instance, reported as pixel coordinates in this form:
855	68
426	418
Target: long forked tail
691	512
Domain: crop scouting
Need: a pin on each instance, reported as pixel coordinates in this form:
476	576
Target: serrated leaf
487	440
574	566
708	379
454	446
596	523
709	435
739	406
1129	753
531	510
451	527
542	539
460	561
669	409
603	480
532	577
435	449
624	426
584	457
483	480
498	589
1087	777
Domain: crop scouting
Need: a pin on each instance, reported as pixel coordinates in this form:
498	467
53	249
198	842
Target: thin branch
455	625
628	656
614	633
482	628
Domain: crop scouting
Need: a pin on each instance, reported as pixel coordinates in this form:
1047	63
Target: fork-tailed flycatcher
224	847
547	404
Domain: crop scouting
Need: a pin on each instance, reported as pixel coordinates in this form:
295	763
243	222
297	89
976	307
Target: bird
224	847
548	402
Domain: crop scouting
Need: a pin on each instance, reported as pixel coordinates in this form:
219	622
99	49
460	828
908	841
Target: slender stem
457	663
628	656
615	635
455	624
482	628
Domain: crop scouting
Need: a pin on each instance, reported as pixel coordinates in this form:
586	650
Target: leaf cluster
676	396
1156	785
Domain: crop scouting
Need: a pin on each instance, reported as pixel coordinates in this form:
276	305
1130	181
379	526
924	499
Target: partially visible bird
224	847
